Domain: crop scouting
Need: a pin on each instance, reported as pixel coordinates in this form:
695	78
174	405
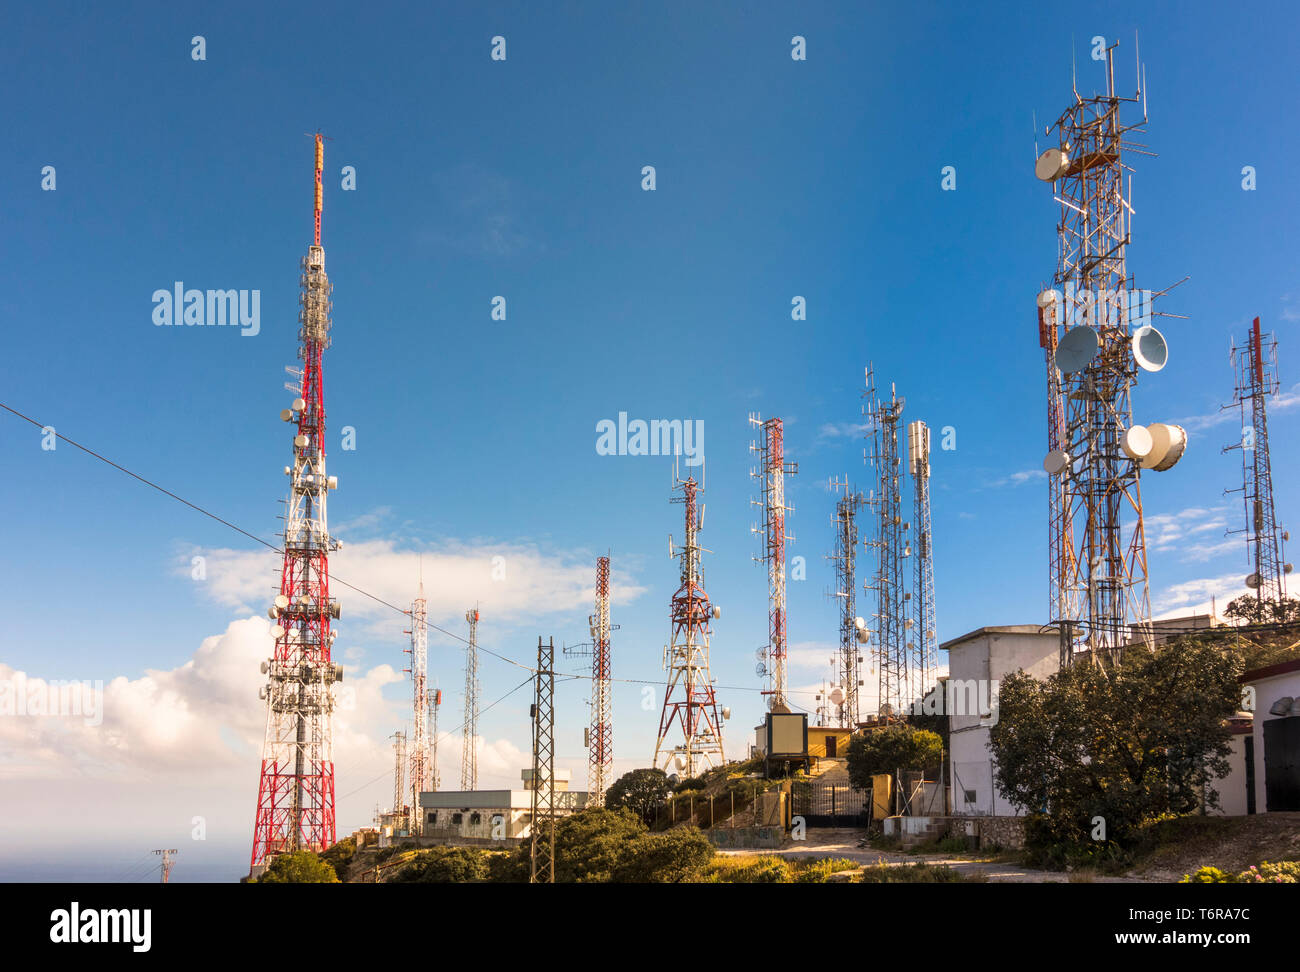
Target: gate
829	804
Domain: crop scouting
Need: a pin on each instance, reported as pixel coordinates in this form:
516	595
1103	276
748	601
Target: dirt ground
1232	844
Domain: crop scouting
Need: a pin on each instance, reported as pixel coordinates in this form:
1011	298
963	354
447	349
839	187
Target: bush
669	858
445	865
340	856
1208	875
643	791
1283	872
954	845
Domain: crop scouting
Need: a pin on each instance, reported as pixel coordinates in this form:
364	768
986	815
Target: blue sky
475	437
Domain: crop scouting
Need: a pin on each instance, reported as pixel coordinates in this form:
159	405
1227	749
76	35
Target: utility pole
167	862
542	852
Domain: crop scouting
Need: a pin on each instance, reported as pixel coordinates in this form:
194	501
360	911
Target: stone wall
1002	832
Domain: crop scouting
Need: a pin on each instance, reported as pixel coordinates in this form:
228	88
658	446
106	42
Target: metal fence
829	804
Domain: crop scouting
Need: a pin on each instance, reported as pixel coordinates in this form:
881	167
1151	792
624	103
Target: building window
475	818
970	796
456	818
433	816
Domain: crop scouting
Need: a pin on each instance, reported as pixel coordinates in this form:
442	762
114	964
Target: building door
830	746
1250	773
1282	764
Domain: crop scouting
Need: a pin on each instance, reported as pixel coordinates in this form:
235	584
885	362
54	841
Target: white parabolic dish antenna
1051	164
1168	442
1048	297
1057	462
1077	348
1150	350
1136	442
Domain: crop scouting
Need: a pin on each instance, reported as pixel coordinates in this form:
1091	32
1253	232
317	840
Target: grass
919	873
773	869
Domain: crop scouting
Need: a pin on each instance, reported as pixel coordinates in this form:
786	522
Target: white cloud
1197	596
456	576
1019	478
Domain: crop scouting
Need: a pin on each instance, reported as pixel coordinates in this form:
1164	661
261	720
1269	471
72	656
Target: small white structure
1272	755
475	816
977	663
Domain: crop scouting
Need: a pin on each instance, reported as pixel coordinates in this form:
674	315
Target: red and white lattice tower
771	474
689	699
295	797
600	755
419	745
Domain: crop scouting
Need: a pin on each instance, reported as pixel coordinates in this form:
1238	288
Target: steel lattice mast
399	766
891	650
689	699
600	755
469	739
435	703
773	468
1060	542
541	851
925	655
419	748
1099	541
845	557
295	800
1256	380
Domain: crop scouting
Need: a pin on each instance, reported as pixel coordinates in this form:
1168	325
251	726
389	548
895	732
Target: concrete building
977	663
491	816
1272	751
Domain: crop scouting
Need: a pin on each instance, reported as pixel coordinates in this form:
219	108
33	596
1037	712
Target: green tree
1253	610
896	747
588	846
1122	742
299	867
643	791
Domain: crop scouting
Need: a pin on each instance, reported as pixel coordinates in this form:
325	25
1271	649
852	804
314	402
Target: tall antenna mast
419	750
853	631
600	754
925	655
892	623
167	862
1098	569
771	473
1256	367
295	798
689	699
469	741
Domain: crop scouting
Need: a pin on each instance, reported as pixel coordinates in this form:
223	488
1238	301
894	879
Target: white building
977	663
1272	751
491	815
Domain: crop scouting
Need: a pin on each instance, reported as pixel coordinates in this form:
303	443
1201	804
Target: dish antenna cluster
1096	346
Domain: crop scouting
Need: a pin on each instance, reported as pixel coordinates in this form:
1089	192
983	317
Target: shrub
953	845
1208	875
668	858
445	865
1282	872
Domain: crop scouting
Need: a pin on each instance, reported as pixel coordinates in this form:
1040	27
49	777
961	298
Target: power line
333	578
